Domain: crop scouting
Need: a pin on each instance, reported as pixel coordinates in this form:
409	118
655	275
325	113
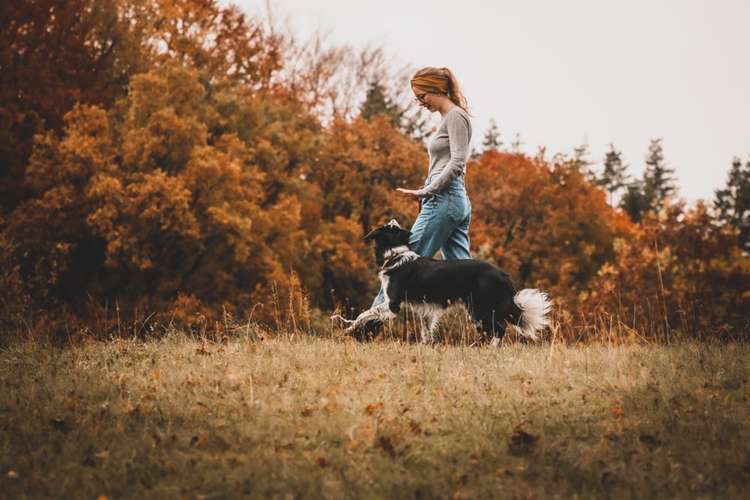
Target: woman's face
424	99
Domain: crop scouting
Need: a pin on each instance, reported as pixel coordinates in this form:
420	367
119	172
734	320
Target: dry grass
332	418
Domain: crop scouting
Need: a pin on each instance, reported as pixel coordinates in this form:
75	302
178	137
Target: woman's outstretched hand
408	192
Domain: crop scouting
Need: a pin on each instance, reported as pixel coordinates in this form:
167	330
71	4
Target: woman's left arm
458	140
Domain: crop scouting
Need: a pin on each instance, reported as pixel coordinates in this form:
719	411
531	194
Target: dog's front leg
380	314
337	318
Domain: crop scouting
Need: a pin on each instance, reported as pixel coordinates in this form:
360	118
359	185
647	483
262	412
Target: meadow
295	416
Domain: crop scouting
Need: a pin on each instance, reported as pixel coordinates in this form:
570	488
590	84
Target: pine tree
614	176
581	161
634	201
656	186
377	101
492	141
733	202
658	178
516	144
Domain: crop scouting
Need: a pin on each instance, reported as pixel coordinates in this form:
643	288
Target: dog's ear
392	225
403	236
371	235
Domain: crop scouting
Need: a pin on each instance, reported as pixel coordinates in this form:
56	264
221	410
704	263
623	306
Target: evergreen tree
614	176
581	161
634	201
492	141
733	202
658	179
377	101
657	184
516	144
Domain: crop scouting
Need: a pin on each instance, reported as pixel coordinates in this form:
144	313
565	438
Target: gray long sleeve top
448	149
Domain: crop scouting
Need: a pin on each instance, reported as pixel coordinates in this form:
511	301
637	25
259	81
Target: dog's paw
365	330
427	339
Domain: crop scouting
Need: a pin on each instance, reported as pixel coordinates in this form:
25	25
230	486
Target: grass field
303	417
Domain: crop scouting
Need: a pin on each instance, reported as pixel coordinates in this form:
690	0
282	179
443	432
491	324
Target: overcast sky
561	73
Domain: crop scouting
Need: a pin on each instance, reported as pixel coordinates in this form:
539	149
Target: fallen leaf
373	407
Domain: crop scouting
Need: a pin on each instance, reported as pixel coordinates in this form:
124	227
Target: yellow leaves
134	219
85	150
165	120
171	86
166	141
544	234
162	201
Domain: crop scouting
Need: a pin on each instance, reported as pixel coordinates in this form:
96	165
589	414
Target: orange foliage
544	224
679	270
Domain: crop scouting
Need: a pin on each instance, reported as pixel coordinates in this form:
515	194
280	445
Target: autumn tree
167	195
221	42
678	271
54	54
542	222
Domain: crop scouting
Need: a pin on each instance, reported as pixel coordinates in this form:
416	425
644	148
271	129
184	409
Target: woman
445	210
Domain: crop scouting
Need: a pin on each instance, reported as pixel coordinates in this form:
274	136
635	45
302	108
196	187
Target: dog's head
387	237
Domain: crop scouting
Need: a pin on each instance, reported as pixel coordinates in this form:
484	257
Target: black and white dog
429	287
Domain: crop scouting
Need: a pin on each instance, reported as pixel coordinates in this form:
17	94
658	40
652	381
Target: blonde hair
440	81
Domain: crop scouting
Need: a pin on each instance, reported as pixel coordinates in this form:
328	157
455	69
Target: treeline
179	161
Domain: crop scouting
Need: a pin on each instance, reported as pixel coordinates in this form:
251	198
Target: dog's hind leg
430	320
492	328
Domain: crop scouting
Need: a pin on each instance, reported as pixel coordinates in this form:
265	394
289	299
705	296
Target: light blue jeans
442	224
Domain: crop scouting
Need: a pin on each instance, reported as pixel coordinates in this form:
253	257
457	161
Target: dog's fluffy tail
534	306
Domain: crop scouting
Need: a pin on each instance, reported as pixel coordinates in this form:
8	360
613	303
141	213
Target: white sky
561	73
